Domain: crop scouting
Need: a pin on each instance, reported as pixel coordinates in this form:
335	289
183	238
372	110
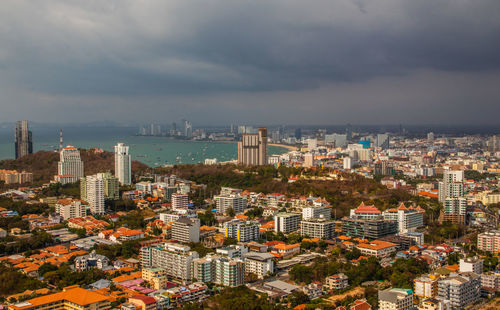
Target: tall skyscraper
252	149
70	166
123	167
23	139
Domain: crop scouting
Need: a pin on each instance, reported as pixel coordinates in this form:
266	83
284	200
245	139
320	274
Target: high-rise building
452	184
94	192
493	143
23	139
252	149
70	166
298	133
111	186
455	210
123	167
383	140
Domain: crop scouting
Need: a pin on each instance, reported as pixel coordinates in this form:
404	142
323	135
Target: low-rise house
377	248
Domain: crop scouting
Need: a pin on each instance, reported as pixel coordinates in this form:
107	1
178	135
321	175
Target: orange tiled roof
75	295
376	245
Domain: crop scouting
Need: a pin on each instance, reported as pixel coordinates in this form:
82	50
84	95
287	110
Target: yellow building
71	298
149	273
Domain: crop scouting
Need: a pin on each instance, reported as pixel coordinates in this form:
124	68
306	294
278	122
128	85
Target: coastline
288	147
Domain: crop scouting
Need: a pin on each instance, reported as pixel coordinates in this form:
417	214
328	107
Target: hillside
43	164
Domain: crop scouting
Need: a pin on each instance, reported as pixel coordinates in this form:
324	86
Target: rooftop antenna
60	139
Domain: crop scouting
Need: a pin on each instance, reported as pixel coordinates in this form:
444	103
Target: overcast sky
256	62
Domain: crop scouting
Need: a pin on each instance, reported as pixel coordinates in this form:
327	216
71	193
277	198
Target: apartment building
180	201
286	222
242	231
70	166
408	219
368	228
225	202
489	241
426	286
176	259
252	149
186	230
313	212
14	177
220	270
318	228
395	299
491	280
455	210
461	290
471	264
70	298
71	208
260	264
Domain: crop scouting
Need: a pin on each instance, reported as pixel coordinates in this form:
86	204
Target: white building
347	163
308	160
452	185
318	228
70	166
236	202
260	264
461	290
323	212
408	219
186	230
242	231
176	259
180	201
395	299
95	193
471	264
123	167
70	208
286	222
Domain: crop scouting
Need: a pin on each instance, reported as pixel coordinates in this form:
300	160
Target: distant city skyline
285	62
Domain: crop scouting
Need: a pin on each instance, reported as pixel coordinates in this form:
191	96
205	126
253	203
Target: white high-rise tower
95	193
70	166
123	164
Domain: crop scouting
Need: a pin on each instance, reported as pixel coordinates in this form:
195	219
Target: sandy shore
289	147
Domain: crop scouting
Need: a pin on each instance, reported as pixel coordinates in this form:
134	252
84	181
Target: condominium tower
123	164
70	166
252	149
23	139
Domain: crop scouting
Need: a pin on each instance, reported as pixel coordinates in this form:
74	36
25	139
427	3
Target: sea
152	151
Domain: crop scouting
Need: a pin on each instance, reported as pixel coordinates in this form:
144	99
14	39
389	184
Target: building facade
70	166
286	222
123	165
252	149
23	139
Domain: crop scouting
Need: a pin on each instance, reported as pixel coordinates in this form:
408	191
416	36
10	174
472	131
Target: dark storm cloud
170	51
